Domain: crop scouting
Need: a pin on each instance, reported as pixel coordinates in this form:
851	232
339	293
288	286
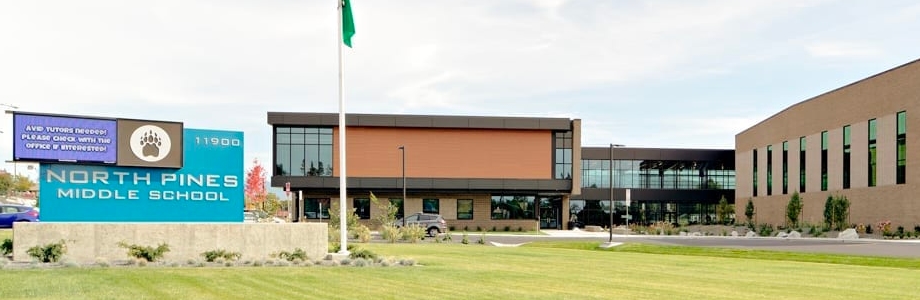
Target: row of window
597	212
657	174
503	207
303	151
901	163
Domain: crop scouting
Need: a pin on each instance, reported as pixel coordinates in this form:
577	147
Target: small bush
290	256
868	228
478	228
211	256
360	262
466	239
7	246
494	229
466	228
917	230
765	230
48	253
363	253
148	253
413	233
507	228
362	233
482	239
390	233
452	228
520	229
447	237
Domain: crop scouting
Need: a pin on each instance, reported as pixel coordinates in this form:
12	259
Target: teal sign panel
208	188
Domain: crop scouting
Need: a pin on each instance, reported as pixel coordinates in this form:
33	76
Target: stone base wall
87	242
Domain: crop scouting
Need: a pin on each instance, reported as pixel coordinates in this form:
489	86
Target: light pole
403	149
611	190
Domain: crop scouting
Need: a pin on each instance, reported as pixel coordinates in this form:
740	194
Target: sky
664	74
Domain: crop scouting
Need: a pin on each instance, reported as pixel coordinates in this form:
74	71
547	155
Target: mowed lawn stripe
456	271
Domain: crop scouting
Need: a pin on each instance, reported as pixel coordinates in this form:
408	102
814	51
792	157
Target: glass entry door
550	213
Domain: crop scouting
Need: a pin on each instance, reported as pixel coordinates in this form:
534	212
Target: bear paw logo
150	143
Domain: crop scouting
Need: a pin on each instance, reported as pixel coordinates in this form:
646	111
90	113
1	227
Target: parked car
434	224
10	214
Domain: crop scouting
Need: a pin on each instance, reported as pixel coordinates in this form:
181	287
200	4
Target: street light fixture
403	149
611	189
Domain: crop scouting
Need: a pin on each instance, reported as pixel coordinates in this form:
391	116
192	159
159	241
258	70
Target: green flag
348	23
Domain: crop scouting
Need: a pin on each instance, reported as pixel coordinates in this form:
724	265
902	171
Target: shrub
413	233
765	230
290	256
363	254
478	228
390	233
452	228
482	239
520	229
900	232
507	228
917	230
7	246
749	212
885	228
724	211
211	256
148	253
868	228
494	229
447	237
48	253
466	239
836	212
794	209
362	233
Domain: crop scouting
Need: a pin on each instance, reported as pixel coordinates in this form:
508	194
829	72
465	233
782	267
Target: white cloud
223	64
842	50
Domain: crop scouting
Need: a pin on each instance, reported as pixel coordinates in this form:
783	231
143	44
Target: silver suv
434	224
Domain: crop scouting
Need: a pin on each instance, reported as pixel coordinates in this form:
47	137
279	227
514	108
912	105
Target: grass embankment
539	271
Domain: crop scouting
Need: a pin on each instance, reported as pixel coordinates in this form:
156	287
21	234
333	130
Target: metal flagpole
343	237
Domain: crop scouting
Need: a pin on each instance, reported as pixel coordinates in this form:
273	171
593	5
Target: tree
836	212
723	211
794	209
255	186
386	214
749	212
6	182
272	204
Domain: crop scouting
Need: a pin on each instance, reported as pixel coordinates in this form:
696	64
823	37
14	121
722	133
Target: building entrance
550	213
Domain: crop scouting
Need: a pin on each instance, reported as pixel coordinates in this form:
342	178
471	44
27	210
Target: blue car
10	214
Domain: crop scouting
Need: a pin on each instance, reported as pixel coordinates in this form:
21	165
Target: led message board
64	139
208	188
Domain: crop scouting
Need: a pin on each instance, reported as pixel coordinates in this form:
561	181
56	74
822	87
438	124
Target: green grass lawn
539	271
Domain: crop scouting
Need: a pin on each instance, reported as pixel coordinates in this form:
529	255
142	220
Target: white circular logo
150	143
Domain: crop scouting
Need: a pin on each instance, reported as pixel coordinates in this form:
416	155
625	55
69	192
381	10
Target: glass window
464	209
873	156
769	170
316	208
513	207
755	172
785	167
802	147
824	160
846	156
362	208
303	151
901	176
431	206
563	155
